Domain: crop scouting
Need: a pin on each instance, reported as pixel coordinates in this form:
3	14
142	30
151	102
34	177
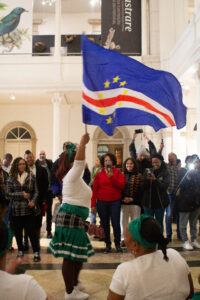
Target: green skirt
196	296
72	243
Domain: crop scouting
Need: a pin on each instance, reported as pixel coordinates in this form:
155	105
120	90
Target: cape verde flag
118	90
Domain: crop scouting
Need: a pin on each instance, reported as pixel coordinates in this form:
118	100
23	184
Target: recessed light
12	97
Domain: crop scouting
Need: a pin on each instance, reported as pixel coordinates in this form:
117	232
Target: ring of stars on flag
108	84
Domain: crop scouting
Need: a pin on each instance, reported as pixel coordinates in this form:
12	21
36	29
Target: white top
151	277
20	287
75	191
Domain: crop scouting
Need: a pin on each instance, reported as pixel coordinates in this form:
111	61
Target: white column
196	5
56	100
58	28
154	27
198	107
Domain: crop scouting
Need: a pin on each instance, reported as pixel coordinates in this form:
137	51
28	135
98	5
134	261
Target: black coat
155	191
189	196
42	184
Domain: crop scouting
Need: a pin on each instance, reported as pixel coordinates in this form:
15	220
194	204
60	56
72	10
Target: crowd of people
143	191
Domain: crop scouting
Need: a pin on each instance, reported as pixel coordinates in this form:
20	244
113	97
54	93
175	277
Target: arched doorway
16	138
117	144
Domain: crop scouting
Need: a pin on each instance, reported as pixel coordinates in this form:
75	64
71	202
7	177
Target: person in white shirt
152	274
70	240
18	287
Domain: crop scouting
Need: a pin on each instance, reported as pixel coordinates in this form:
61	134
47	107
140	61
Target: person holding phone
107	191
154	185
141	155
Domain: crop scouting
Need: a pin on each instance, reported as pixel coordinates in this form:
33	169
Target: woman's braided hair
152	233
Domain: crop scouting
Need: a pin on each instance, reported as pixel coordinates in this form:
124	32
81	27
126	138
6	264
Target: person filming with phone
141	155
107	191
154	186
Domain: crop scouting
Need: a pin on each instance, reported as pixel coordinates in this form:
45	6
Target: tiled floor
97	273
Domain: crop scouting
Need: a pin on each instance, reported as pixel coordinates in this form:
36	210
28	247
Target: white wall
71	23
39	117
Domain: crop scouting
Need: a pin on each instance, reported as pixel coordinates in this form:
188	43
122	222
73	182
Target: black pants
110	210
27	223
49	202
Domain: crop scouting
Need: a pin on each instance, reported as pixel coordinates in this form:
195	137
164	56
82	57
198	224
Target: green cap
135	231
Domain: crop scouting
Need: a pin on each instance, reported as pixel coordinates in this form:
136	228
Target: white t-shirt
151	277
20	287
75	191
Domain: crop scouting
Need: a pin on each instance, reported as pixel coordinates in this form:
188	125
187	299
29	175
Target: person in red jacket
107	191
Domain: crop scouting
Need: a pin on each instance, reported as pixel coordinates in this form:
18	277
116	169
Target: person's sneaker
123	244
107	249
20	254
76	295
195	244
36	257
118	249
49	235
80	286
187	246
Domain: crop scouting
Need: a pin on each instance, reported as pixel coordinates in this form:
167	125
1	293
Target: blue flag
118	90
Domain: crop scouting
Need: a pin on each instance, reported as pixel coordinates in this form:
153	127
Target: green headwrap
72	147
8	243
135	229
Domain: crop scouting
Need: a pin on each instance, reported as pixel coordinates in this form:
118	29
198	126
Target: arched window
18	133
102	149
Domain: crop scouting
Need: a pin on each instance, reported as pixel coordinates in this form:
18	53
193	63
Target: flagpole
85	128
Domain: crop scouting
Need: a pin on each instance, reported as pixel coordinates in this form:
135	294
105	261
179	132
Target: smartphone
139	131
148	171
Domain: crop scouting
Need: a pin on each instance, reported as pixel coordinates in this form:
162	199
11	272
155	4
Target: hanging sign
121	26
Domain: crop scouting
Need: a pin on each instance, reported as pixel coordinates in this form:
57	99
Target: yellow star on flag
100	96
115	79
107	84
122	83
102	111
125	92
120	104
109	120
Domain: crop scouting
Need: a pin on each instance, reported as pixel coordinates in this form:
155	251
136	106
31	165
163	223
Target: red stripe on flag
126	98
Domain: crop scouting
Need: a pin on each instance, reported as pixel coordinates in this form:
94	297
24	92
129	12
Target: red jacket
107	189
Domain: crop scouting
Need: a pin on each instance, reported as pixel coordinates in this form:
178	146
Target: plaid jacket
15	193
173	178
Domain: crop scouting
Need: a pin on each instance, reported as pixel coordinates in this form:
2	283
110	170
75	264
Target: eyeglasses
107	160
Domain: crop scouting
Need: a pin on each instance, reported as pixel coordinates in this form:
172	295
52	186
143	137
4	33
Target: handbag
98	231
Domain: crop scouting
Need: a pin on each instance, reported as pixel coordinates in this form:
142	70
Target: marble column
154	28
56	101
58	28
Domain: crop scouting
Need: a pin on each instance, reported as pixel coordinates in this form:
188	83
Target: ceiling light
92	2
12	97
48	2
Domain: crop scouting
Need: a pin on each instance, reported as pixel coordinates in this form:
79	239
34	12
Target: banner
121	26
16	26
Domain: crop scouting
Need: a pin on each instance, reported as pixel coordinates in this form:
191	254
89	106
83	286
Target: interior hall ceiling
68	6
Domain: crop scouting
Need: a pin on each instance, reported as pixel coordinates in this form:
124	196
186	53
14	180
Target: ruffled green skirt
72	243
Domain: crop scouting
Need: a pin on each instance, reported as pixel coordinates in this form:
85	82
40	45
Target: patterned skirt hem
70	255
